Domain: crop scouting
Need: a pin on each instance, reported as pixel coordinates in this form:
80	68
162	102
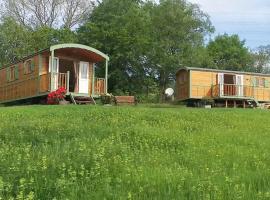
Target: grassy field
82	152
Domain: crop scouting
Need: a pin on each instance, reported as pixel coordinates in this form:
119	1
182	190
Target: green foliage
262	59
118	28
230	53
14	41
45	37
147	42
133	152
17	41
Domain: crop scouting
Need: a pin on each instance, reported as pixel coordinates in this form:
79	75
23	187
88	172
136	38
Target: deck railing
233	90
99	86
230	90
59	80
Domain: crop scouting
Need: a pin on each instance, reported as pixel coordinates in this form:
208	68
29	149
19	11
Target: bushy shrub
107	99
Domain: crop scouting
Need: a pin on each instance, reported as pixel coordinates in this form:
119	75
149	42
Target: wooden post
68	76
93	81
106	77
244	104
226	103
52	63
234	104
39	72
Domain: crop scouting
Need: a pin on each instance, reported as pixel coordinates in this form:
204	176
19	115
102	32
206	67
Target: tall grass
82	152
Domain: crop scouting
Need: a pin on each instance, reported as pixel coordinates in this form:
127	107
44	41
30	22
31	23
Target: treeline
146	41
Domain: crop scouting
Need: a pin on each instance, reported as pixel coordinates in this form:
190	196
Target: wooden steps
82	100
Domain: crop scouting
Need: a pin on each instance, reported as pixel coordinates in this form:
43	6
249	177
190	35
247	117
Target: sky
250	19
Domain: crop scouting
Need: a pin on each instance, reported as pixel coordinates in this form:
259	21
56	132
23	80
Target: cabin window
182	78
262	82
266	83
29	66
12	73
257	82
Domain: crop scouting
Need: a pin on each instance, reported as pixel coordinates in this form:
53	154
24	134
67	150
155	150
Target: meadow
95	152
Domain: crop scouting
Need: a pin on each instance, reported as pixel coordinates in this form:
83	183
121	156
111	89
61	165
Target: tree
262	59
14	41
46	36
48	13
147	42
230	53
119	28
177	31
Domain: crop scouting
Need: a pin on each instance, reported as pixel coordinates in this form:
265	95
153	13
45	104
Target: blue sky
250	19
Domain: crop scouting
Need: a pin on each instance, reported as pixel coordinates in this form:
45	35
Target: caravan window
12	73
28	66
257	82
182	78
262	82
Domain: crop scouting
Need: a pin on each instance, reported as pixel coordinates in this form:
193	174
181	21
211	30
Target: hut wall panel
90	78
44	76
27	85
260	93
201	84
182	87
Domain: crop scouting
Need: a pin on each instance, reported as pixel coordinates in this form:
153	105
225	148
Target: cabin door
54	70
240	85
221	84
84	77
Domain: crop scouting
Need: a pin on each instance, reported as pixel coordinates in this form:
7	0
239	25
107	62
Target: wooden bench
125	100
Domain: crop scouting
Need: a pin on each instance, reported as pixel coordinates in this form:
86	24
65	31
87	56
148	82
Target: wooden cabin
196	84
71	66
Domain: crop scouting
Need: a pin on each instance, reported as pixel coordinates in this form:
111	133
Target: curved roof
221	71
79	46
59	47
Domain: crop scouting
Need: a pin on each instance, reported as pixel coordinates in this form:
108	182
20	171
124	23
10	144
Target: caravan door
221	84
240	85
84	78
54	70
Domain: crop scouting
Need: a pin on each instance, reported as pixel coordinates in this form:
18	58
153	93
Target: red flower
56	96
